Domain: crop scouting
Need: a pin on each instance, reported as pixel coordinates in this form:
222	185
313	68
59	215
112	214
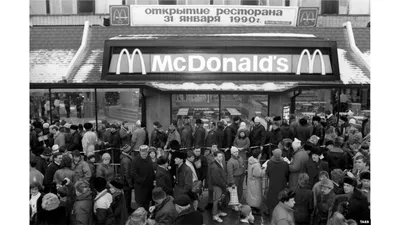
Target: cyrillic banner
212	15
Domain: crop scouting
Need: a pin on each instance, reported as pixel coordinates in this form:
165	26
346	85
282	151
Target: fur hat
139	123
277	118
199	121
236	118
157	124
73	127
352	121
350	181
66	161
50	202
46	125
234	149
337	175
117	184
158	193
76	153
296	144
327	183
314	139
100	184
365	175
182	200
90	155
87	126
174	144
137	217
47	152
180	155
144	148
245	210
315	150
81	185
126	148
277	153
257	120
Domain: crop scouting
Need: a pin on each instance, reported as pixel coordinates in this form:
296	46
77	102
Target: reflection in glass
244	106
39	104
189	107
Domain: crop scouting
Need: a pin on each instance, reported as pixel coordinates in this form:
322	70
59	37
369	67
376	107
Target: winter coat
218	175
189	217
41	164
303	206
255	176
358	208
118	207
286	132
164	180
158	138
126	168
82	210
186	137
230	135
35	176
49	175
59	139
220	137
282	215
276	137
165	212
138	138
258	136
319	131
75	142
199	136
105	171
278	174
184	180
115	140
89	138
201	161
125	137
143	175
47	216
211	138
241	143
297	166
303	133
337	159
82	171
174	135
313	168
235	168
287	153
324	202
210	160
102	209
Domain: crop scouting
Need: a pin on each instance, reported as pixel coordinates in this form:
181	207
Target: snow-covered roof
156	36
350	73
226	86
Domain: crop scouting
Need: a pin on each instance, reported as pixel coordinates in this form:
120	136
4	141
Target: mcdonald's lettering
310	61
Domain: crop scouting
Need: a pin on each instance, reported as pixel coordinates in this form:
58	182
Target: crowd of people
289	172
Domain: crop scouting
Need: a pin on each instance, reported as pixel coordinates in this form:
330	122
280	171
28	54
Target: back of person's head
174	144
303	122
189	154
285	195
256	153
100	184
303	180
162	160
82	186
138	217
66	162
32	161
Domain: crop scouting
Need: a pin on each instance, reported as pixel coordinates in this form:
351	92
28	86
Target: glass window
37	7
195	106
75	106
118	105
355	100
329	7
245	106
39	104
86	6
310	102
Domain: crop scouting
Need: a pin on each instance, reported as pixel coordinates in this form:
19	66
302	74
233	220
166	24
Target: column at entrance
158	108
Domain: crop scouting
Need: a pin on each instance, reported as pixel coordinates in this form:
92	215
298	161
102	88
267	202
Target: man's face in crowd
34	191
365	183
348	188
76	159
315	157
214	148
92	159
125	125
58	159
144	154
191	159
178	161
323	177
197	152
106	161
219	157
325	190
360	164
235	153
290	203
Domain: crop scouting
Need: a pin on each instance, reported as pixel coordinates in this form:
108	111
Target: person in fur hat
163	212
324	201
278	175
118	204
82	210
315	165
50	211
242	143
283	212
103	213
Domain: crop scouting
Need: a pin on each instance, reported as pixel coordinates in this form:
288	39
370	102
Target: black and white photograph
200	112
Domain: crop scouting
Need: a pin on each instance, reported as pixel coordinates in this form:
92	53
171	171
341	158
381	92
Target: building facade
165	67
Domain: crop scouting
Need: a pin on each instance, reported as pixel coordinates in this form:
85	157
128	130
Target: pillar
158	108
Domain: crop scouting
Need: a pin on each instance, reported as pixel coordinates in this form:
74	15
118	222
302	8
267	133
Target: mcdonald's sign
131	59
307	17
311	61
119	15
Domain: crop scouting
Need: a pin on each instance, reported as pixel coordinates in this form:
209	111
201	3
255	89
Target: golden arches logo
311	61
131	59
